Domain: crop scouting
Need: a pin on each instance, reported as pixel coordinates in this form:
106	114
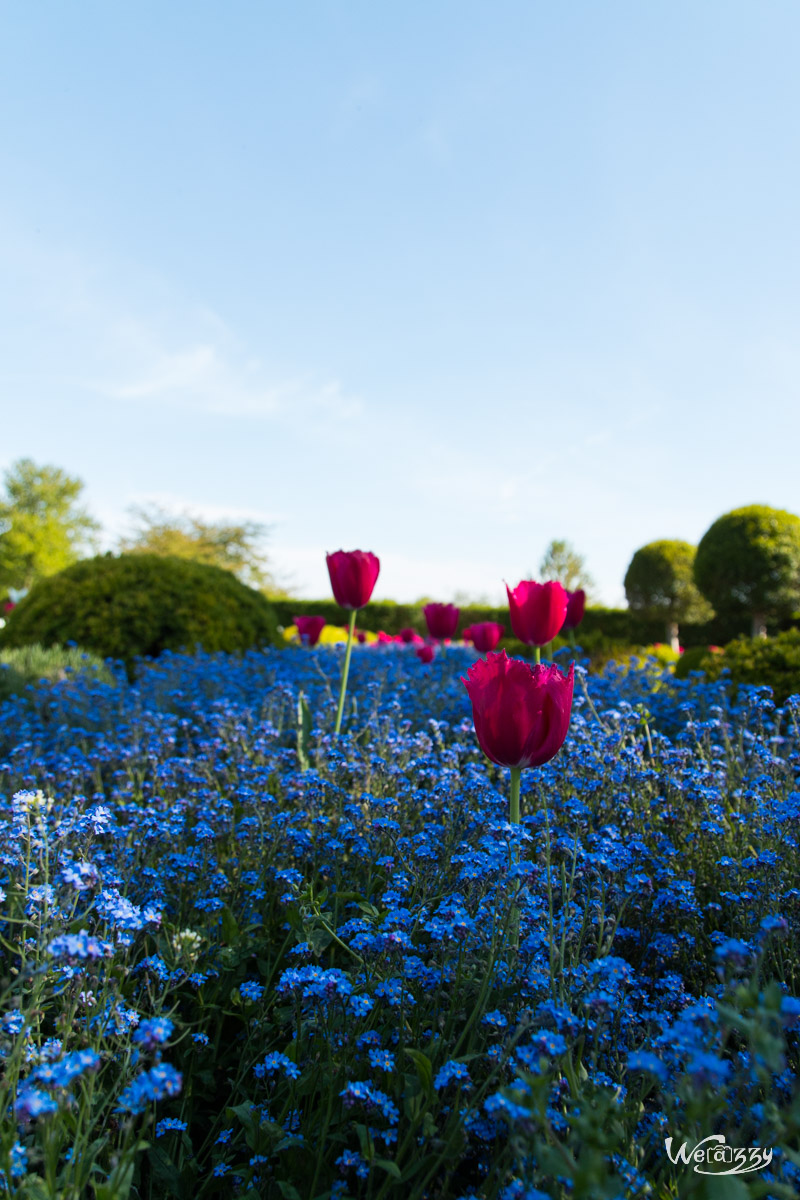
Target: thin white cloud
216	376
129	338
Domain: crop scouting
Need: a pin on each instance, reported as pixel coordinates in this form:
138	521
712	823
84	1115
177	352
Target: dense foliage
141	604
599	626
774	662
659	583
748	562
242	958
236	547
43	528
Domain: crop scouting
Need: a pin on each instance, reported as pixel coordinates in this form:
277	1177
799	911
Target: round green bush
693	659
139	605
659	582
749	562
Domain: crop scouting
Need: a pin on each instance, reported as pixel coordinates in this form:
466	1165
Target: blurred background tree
748	561
238	548
43	529
566	566
659	582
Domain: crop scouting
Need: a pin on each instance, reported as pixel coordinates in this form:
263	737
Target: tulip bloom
537	611
521	714
353	576
309	629
485	635
576	604
408	636
441	620
424	653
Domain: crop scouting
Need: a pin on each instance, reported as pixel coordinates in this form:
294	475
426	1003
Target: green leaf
165	1172
230	927
424	1068
726	1187
121	1187
391	1168
288	1190
245	1115
303	733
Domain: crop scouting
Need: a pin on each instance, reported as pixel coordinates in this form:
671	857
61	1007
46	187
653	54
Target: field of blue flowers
241	957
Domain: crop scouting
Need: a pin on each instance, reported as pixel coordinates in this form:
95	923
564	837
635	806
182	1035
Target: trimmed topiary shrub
748	562
139	605
774	663
659	583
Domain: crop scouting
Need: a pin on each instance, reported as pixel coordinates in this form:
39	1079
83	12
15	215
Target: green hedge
600	628
140	605
773	662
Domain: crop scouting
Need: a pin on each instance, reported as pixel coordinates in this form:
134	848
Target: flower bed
242	957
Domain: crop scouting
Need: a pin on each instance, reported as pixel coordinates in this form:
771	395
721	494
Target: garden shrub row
772	662
600	628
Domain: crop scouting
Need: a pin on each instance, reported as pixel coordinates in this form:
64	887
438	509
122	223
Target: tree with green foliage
141	605
749	562
42	527
233	547
659	582
563	563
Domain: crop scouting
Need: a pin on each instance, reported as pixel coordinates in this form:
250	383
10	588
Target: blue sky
438	280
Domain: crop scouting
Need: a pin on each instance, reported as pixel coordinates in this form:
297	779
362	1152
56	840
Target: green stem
537	654
514	819
513	804
345	672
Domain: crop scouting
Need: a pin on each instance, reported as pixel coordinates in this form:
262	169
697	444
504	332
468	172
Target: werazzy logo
719	1158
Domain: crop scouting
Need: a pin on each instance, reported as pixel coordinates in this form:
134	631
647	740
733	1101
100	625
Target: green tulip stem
537	658
513	807
345	673
514	819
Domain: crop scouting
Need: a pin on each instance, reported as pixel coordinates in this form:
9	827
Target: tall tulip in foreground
521	714
537	612
353	575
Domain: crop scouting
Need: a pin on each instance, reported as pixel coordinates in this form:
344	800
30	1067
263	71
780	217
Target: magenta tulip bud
441	620
521	712
537	611
485	635
309	629
576	605
353	576
424	653
408	635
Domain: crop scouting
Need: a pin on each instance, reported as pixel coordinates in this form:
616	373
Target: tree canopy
237	548
43	529
563	563
659	582
748	561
